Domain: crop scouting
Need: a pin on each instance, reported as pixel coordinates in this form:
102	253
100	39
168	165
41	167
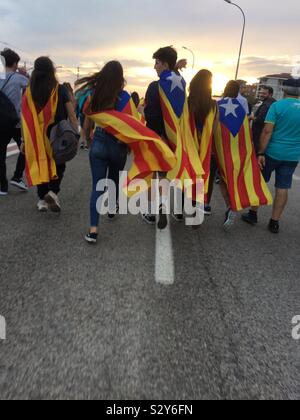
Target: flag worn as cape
40	164
237	159
150	153
175	110
205	135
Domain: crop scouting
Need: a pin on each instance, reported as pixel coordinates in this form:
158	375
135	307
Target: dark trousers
53	186
213	173
107	158
5	139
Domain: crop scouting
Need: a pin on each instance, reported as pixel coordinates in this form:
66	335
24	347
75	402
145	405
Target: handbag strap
6	82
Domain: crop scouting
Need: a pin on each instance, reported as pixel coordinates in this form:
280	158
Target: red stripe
28	117
243	193
163	164
167	116
226	139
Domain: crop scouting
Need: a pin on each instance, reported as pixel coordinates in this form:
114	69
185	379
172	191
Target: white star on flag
176	82
230	108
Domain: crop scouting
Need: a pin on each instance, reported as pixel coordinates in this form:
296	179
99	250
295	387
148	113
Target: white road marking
296	178
12	149
164	258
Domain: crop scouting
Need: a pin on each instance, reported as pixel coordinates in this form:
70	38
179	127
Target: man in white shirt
241	98
12	87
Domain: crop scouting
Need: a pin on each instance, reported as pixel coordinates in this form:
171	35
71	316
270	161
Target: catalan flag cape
150	153
172	88
40	164
205	134
237	159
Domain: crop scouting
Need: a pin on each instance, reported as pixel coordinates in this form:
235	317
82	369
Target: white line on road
296	178
12	149
164	259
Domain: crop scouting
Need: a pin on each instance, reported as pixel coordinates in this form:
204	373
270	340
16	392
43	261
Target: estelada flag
40	164
182	141
205	134
150	153
237	158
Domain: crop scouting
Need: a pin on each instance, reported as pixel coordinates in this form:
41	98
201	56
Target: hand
182	64
22	148
262	162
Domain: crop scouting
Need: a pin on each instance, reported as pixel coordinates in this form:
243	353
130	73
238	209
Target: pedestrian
241	96
45	104
279	150
266	96
12	87
204	110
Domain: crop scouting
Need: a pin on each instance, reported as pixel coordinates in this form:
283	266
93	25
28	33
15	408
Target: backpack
64	142
8	114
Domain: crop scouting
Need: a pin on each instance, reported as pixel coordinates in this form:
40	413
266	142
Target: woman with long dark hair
204	110
107	155
45	104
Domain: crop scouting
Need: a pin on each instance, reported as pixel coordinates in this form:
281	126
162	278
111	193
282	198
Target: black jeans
53	186
5	139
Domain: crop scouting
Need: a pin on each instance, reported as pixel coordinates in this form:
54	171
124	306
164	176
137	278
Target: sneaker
178	217
91	238
111	216
53	202
207	210
163	218
3	193
82	146
229	220
250	217
19	183
274	226
42	206
148	218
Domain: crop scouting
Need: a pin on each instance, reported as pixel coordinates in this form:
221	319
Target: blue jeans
107	159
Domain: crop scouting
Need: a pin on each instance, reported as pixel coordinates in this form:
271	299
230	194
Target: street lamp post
193	54
242	39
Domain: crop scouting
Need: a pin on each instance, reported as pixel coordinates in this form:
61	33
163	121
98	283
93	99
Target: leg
118	158
280	202
5	138
42	191
20	168
54	186
213	171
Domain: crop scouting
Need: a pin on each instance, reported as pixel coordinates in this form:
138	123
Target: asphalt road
91	322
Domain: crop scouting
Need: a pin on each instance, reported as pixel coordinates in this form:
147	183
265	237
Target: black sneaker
250	218
178	217
274	226
111	216
207	210
91	238
19	183
148	218
163	218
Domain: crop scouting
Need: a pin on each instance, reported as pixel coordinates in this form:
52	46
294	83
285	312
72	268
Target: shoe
178	217
229	220
148	218
91	238
207	210
19	183
250	217
111	216
53	202
82	146
274	226
42	206
163	218
3	193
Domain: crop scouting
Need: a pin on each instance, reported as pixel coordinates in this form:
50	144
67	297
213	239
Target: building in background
276	82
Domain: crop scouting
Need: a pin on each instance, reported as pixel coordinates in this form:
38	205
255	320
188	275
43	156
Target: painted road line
12	149
296	178
164	258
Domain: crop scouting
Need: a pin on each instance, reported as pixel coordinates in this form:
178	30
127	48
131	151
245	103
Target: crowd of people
174	133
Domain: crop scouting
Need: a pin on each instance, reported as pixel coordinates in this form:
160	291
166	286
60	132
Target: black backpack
8	114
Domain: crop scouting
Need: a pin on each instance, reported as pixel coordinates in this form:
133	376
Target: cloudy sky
86	34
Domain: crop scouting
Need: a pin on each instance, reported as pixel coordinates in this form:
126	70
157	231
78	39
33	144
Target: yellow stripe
235	153
248	172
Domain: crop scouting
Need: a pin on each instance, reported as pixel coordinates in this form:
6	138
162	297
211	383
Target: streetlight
193	54
243	35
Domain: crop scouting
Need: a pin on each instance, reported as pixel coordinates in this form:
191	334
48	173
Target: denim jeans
107	159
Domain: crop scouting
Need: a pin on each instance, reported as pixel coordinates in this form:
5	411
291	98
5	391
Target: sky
88	34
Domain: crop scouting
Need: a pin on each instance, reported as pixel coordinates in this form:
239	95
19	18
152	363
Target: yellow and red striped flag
237	159
150	153
182	140
40	164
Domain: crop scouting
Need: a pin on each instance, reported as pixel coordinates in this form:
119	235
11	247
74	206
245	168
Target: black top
153	111
260	117
61	112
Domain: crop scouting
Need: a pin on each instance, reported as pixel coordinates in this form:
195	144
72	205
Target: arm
261	116
71	115
264	142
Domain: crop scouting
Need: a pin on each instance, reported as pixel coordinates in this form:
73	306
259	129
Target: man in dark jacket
266	95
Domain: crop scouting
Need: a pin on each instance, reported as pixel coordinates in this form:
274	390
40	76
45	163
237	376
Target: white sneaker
20	184
53	202
229	220
3	193
42	206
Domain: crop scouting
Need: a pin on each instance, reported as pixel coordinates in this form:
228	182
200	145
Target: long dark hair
43	81
232	89
105	85
200	99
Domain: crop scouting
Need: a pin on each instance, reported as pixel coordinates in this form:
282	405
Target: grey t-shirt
14	88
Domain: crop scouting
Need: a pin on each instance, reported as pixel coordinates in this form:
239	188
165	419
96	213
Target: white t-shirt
243	101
